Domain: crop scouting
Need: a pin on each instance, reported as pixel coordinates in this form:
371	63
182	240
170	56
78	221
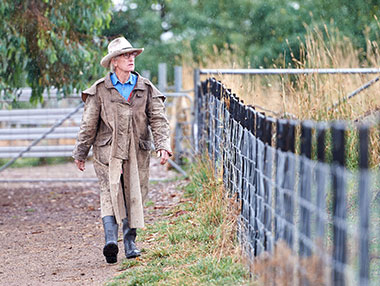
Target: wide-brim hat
116	48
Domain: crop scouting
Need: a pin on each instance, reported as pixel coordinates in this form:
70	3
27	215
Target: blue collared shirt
124	89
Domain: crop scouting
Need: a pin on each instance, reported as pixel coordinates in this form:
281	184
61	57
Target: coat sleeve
88	127
158	121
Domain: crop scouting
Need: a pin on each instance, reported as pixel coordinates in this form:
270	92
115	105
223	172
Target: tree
260	31
51	44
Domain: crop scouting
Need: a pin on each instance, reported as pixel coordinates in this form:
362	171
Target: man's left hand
164	156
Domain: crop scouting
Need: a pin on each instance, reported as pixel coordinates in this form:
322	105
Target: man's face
125	62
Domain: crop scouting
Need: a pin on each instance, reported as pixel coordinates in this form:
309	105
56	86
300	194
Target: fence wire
302	221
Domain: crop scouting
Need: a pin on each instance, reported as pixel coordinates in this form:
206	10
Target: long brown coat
120	132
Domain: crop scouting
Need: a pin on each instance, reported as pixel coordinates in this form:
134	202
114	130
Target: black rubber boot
110	249
129	237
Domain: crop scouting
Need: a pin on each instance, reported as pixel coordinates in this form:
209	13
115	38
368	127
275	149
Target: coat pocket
122	101
103	139
145	145
102	154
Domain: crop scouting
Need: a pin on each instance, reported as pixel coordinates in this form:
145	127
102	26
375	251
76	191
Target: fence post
218	125
146	74
290	139
279	225
196	123
289	182
258	179
162	77
227	138
177	78
305	187
321	182
199	127
208	115
305	200
178	151
364	206
268	195
339	205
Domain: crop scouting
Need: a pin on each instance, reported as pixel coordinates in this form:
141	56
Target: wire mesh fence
304	220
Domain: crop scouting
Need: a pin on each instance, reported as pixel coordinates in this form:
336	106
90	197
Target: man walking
123	112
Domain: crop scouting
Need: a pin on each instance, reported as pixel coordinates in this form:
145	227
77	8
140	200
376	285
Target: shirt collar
115	80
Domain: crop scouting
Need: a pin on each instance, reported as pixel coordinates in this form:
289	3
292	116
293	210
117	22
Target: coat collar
139	84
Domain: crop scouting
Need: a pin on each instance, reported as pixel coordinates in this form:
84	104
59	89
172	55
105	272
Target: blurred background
59	43
50	51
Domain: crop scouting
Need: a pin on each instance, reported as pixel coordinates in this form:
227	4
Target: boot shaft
129	238
128	233
110	228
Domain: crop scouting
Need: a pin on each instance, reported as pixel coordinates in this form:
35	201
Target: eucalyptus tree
53	43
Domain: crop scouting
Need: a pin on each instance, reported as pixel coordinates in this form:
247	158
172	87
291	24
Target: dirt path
51	233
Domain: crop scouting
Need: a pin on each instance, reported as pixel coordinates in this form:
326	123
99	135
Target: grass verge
193	244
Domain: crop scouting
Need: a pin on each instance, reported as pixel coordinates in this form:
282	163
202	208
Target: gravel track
51	233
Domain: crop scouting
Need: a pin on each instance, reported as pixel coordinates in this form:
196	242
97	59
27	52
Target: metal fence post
162	77
178	150
339	205
364	206
196	128
146	74
178	78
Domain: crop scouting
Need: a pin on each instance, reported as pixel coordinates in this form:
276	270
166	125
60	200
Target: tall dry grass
310	96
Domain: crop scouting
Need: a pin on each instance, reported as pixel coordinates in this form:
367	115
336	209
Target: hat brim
105	62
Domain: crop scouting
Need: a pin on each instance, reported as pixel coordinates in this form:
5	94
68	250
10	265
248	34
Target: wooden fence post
364	206
321	182
268	190
305	188
339	205
279	225
258	179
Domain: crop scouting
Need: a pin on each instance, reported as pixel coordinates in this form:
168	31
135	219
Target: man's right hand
80	165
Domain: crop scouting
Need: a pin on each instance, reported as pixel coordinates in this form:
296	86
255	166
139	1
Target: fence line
308	206
290	71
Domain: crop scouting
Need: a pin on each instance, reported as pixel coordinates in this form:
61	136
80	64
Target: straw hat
116	48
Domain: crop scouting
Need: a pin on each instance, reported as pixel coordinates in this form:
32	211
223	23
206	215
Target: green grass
192	244
155	182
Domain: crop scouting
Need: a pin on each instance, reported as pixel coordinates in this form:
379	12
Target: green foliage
258	31
59	43
51	43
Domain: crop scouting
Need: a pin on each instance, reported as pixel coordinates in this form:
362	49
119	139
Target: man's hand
164	156
80	165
